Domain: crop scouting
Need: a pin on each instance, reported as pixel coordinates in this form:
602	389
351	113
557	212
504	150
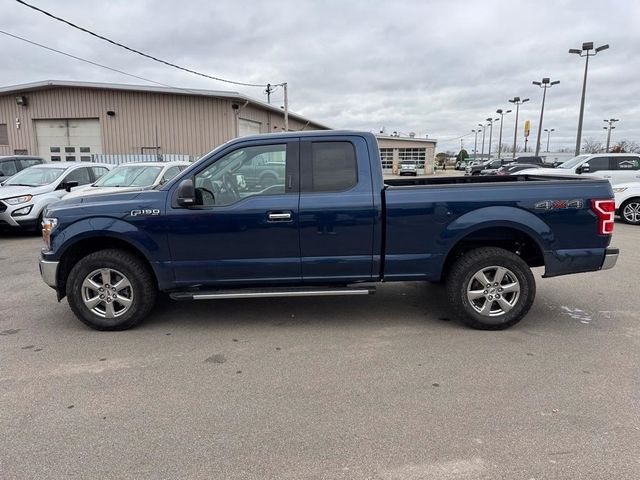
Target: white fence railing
117	159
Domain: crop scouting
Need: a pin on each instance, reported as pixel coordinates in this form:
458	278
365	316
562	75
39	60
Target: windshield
35	177
129	176
573	162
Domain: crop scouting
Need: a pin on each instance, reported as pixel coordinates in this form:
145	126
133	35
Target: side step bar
272	292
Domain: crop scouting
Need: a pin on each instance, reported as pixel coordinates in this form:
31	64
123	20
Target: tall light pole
549	136
544	84
584	52
502	114
516	101
484	130
490	123
611	121
475	143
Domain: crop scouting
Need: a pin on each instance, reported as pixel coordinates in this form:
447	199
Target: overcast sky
436	68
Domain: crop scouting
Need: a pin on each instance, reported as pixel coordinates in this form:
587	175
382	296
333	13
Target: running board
271	293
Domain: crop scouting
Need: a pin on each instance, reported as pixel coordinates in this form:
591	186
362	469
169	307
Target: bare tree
590	145
625	146
508	148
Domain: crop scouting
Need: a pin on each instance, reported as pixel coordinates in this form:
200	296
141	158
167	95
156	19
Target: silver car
408	167
131	177
24	197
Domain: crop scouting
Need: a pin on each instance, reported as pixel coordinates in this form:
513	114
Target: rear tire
630	211
111	290
504	296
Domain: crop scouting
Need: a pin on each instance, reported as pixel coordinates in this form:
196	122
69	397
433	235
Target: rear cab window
333	167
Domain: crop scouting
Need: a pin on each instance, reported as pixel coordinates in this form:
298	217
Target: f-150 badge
145	212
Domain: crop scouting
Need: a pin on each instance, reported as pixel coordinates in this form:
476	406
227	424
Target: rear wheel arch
511	238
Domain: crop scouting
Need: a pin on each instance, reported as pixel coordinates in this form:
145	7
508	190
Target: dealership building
82	121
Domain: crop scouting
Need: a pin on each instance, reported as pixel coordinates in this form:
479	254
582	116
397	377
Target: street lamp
549	136
544	84
490	122
516	101
475	143
611	121
483	133
584	52
502	114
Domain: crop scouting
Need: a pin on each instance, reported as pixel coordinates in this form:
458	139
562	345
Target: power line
83	59
151	57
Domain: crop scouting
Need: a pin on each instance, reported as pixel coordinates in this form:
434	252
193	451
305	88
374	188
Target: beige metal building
393	150
70	121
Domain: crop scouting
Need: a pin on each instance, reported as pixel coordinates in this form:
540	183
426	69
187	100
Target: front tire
630	211
490	288
111	290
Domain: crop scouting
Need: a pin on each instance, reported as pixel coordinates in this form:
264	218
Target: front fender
150	243
107	227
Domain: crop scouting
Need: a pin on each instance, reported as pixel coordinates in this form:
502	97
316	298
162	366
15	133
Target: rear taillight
604	210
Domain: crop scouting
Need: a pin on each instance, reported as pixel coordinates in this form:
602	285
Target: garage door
248	127
71	140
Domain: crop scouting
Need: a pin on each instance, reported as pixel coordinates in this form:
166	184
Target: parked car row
25	196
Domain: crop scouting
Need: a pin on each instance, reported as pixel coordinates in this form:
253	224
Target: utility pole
475	144
544	84
611	121
484	131
286	107
516	101
584	51
268	92
502	114
491	122
549	136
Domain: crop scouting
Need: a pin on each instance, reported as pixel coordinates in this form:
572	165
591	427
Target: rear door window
8	168
80	175
626	163
98	172
30	162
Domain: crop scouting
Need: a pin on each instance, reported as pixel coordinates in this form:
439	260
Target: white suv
615	167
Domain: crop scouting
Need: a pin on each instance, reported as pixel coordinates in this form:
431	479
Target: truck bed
552	216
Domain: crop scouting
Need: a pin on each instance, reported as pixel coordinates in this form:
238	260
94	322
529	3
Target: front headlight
17	200
48	225
619	190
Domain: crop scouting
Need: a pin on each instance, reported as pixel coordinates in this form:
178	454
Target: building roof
407	139
45	84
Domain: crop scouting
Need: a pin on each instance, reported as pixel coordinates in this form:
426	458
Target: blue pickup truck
330	225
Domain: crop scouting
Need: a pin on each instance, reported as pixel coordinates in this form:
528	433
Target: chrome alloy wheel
107	293
493	291
631	212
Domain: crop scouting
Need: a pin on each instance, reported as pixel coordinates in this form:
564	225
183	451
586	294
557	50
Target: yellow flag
527	127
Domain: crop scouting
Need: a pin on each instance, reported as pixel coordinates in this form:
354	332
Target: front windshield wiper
19	185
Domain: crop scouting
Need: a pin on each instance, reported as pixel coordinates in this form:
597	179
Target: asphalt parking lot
383	387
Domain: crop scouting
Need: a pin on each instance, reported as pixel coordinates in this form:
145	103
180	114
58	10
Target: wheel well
637	199
90	245
510	239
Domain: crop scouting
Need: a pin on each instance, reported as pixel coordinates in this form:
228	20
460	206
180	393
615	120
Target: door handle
279	216
607	176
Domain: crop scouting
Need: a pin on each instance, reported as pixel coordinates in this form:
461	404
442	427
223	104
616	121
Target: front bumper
49	272
20	221
610	258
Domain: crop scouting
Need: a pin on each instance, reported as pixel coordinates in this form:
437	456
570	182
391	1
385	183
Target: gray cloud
436	67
